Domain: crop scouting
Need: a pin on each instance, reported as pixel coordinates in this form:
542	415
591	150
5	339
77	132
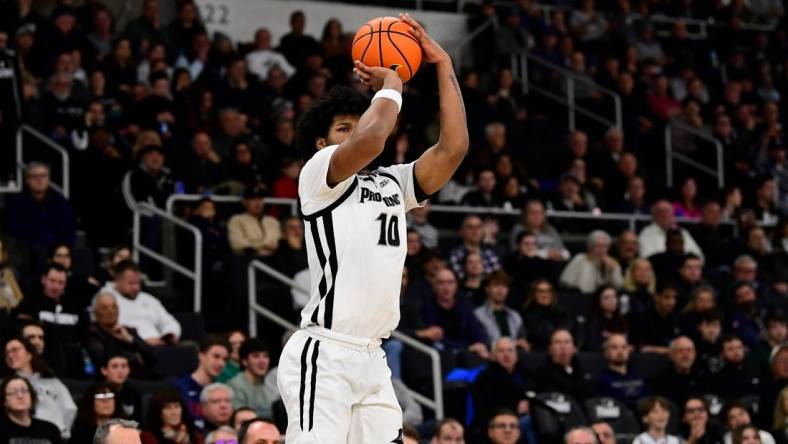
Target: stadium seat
176	360
615	413
553	414
649	365
531	362
192	326
591	363
574	304
76	387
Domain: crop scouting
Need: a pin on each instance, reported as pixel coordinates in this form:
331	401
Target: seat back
176	360
192	326
615	413
560	414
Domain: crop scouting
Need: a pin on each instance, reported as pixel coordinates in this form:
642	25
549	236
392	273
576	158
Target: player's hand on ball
431	50
377	77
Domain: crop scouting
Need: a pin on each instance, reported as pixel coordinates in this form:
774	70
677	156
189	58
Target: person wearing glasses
504	428
96	407
696	427
17	421
54	402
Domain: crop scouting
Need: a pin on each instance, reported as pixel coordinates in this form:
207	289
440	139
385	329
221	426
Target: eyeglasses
109	395
18	392
507	426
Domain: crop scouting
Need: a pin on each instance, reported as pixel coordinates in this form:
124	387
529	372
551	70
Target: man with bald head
652	237
502	385
448	431
106	334
682	378
581	435
258	431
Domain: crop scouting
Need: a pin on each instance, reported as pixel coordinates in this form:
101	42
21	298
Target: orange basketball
386	42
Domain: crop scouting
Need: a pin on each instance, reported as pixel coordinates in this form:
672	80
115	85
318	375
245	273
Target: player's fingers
412	22
361	67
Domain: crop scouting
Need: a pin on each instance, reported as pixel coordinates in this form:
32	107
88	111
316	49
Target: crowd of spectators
538	310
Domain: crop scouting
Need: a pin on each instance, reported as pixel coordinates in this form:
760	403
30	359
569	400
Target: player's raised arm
373	128
436	166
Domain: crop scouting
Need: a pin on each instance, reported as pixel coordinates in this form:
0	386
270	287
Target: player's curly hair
316	121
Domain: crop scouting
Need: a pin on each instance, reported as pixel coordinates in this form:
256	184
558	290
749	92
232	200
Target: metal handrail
520	69
459	209
146	209
65	187
170	204
719	173
435	404
467	40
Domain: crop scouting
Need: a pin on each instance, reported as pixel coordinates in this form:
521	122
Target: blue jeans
527	430
393	349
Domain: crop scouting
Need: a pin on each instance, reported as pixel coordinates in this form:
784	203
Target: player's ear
320	142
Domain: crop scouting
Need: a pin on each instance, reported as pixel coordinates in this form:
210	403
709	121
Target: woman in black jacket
541	314
96	407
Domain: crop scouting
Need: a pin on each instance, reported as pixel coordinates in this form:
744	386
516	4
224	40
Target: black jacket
553	377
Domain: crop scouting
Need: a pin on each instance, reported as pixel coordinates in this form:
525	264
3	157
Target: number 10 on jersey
389	232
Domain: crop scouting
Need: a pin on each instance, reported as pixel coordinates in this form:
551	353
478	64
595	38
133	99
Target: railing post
135	252
619	119
720	165
570	99
668	155
197	272
524	69
251	293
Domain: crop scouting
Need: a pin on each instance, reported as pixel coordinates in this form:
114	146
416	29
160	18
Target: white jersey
356	246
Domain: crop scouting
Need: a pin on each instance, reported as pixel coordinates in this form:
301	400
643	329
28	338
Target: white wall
240	18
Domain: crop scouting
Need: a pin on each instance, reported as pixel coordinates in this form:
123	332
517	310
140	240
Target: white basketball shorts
337	390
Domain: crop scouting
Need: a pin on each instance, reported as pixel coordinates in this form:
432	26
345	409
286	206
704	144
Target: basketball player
333	376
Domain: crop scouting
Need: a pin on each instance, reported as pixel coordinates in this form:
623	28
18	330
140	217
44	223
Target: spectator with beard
484	194
737	378
140	310
683	377
746	314
618	380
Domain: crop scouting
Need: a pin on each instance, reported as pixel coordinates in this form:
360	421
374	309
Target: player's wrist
389	94
392	81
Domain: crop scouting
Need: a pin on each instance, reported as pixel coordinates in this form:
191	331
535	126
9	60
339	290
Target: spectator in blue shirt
453	315
39	216
617	379
472	233
212	356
